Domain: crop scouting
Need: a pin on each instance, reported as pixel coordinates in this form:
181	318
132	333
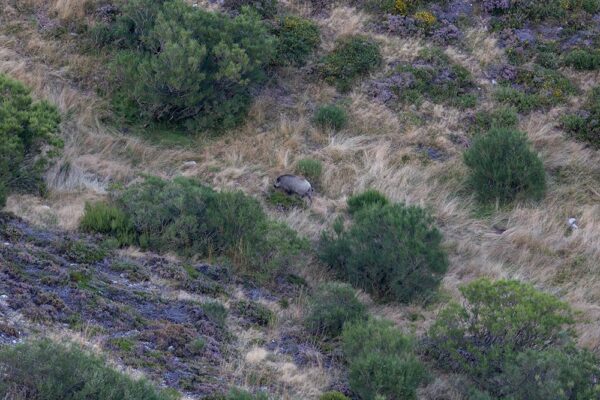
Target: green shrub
381	361
503	167
107	219
84	253
298	37
368	198
333	396
216	311
255	313
265	8
310	169
25	127
586	127
191	219
184	66
438	79
332	305
582	59
504	117
392	252
43	370
522	102
352	57
505	334
284	201
331	116
236	394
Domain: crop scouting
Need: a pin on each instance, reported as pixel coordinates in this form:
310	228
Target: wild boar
294	184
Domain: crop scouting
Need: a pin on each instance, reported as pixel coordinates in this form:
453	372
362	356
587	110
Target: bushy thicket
583	59
184	66
503	117
43	370
297	39
331	116
333	396
381	361
25	127
585	126
332	305
191	219
391	251
265	8
352	57
513	342
503	167
368	198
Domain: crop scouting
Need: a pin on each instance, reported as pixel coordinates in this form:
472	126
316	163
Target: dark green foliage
331	116
310	169
381	361
514	342
216	311
352	57
582	59
298	38
183	66
254	313
265	8
333	305
437	78
84	253
534	89
236	394
368	198
284	201
505	117
392	252
43	370
25	126
333	396
191	219
586	126
107	219
503	167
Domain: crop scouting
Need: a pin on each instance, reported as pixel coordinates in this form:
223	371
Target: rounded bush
581	59
107	219
265	8
331	117
331	307
352	57
25	126
393	252
367	198
586	125
503	167
298	37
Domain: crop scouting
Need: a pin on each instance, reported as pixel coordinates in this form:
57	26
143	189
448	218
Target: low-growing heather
393	252
503	167
298	38
43	370
25	127
381	361
585	126
352	58
332	305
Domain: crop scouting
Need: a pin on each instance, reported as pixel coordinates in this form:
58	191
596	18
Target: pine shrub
25	127
333	305
393	252
585	126
107	219
368	198
331	116
298	38
352	58
503	167
333	396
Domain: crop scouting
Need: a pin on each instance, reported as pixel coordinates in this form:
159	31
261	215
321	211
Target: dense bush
191	219
504	117
107	219
381	361
333	305
183	65
298	37
392	252
25	127
586	125
310	169
43	370
503	167
583	59
333	396
514	342
265	8
368	198
331	117
436	78
352	57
